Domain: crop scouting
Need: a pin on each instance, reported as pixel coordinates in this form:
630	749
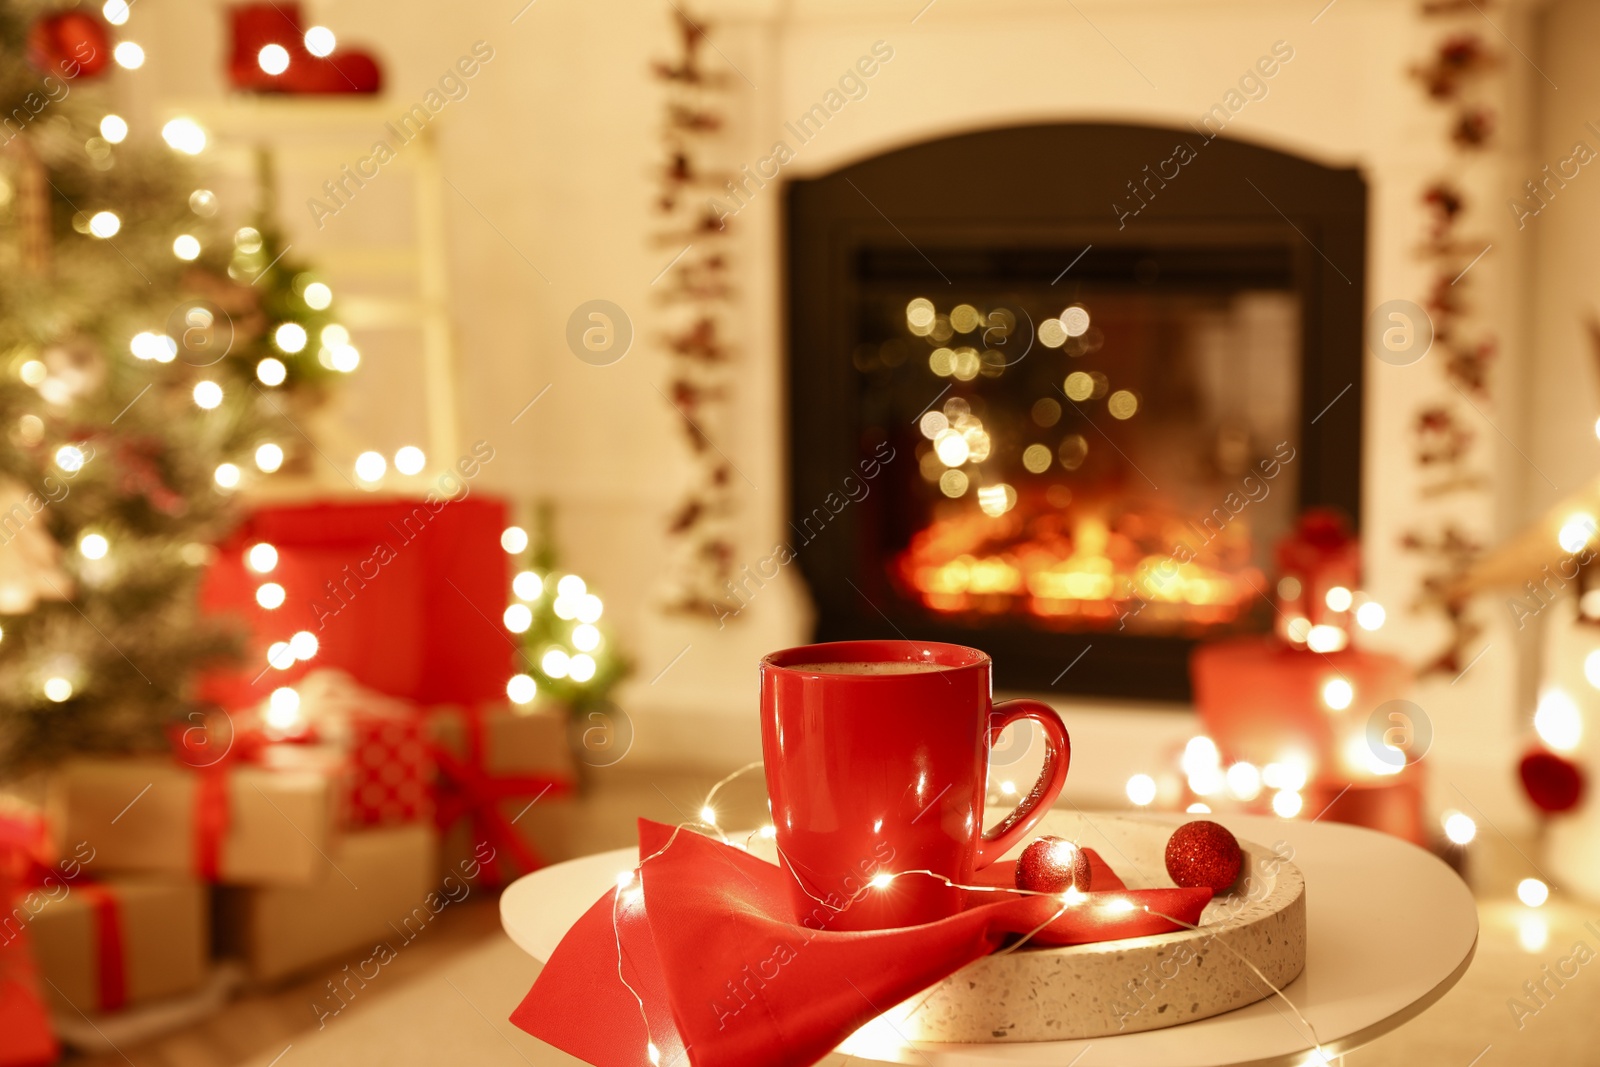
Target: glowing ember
1137	569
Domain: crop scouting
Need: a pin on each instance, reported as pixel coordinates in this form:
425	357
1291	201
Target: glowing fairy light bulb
283	708
186	246
269	457
581	667
1557	720
514	539
270	595
708	815
318	296
410	460
1325	638
57	689
589	608
555	662
518	618
184	135
271	371
128	55
1371	615
290	337
1244	781
303	644
521	689
226	476
104	224
370	466
528	586
261	557
1533	892
1286	803
273	59
1459	827
94	546
1576	533
114	128
207	394
585	637
1337	693
881	880
116	12
320	41
1141	789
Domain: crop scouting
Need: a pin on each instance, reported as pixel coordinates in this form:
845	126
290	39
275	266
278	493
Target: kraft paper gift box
505	773
383	877
123	941
242	824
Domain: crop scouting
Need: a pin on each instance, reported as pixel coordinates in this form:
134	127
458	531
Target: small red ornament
70	44
1553	783
1204	853
1052	865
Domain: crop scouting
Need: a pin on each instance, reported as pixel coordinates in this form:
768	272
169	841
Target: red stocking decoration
257	25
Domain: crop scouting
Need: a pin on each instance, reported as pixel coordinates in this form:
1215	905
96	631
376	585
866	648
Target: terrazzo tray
1136	984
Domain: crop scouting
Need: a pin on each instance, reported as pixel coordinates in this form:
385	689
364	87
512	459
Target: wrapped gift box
383	878
505	773
124	941
403	595
155	815
25	1036
388	776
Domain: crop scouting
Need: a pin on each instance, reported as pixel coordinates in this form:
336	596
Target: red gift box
386	759
25	1035
404	595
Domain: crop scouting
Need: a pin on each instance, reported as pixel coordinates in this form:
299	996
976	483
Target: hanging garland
1443	429
699	299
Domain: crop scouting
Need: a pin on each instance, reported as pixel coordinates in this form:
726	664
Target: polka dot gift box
388	768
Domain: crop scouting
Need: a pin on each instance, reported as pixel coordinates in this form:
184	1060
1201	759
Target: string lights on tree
155	359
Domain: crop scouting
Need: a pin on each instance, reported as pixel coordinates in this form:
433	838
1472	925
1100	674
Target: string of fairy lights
333	348
885	1034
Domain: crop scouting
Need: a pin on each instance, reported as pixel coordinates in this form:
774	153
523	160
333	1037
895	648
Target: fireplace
1056	390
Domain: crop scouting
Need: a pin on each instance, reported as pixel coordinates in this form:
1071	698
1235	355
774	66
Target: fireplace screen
1019	420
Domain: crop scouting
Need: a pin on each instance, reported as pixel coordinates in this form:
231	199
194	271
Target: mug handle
1057	754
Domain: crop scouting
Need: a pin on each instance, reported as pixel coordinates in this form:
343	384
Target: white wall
556	144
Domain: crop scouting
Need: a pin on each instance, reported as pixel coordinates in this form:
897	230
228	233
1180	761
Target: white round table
1390	929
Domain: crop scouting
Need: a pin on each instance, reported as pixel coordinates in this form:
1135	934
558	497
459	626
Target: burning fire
1154	572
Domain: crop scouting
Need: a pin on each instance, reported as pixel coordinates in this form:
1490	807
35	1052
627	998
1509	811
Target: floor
453	988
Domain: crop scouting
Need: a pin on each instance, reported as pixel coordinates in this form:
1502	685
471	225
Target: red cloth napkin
711	947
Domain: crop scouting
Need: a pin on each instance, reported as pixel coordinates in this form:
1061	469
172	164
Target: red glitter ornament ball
1553	784
1052	865
1204	853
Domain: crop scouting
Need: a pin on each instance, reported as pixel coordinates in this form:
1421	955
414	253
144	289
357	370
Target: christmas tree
568	655
153	361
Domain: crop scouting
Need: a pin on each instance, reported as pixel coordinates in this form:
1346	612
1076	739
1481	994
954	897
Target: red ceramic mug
880	767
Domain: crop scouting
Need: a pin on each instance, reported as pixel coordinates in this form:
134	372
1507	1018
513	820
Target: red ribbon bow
466	789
